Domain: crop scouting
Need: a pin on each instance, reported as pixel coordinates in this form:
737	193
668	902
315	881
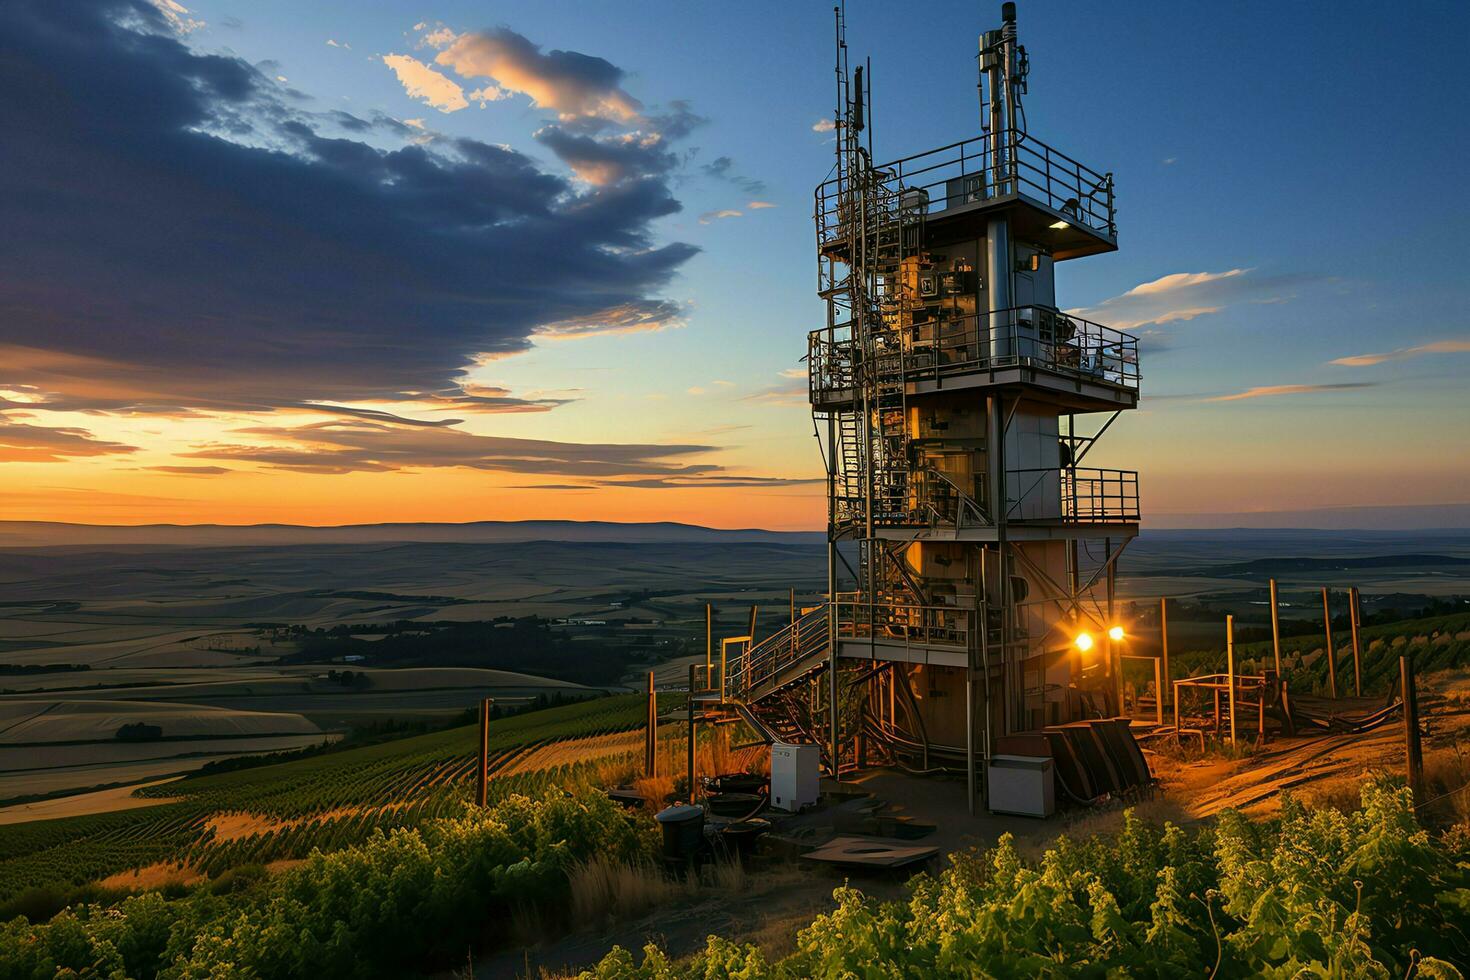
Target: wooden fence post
1276	630
1178	736
1158	695
1355	618
1412	749
1230	670
1164	651
482	770
692	669
1331	650
650	738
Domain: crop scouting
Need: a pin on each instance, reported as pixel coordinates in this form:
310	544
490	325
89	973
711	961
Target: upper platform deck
1049	197
1083	366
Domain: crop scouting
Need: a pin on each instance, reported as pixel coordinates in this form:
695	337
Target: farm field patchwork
285	810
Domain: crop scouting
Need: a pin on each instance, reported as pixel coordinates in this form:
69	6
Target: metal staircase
783	659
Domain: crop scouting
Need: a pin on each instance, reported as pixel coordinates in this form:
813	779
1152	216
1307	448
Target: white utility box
1021	784
795	776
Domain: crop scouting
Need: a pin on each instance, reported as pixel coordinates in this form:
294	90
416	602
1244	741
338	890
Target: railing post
692	669
1413	752
1230	670
650	738
1164	652
1331	651
482	766
1275	630
1355	618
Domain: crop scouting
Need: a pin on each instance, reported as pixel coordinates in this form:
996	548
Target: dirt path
81	804
1322	765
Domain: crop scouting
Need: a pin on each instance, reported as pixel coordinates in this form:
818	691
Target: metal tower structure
971	554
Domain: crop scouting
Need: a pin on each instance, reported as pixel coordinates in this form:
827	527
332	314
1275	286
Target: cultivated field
281	812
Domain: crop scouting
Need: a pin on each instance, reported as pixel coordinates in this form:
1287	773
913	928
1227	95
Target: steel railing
1073	495
894	617
763	664
965	173
1023	336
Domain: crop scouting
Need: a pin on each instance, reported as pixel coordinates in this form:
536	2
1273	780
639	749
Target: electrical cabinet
795	776
1021	785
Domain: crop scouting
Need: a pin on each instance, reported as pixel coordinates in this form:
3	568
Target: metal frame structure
955	403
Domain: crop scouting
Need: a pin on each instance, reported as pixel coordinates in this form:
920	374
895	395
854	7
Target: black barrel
683	827
740	836
742	782
736	804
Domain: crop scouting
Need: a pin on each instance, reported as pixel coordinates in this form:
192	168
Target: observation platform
1079	365
1049	197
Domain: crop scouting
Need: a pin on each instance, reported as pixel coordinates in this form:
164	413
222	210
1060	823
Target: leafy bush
49	864
396	904
1313	893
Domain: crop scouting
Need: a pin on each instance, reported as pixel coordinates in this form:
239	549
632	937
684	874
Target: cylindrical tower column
998	286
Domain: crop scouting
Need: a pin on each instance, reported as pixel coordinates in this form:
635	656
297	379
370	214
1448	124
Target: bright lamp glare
1116	633
1059	225
1083	641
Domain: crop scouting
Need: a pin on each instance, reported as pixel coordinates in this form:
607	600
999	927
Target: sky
337	263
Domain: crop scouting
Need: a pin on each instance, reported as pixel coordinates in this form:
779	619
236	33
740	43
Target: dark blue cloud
180	231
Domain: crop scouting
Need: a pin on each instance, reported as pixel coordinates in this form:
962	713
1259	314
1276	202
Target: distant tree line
526	644
23	669
139	731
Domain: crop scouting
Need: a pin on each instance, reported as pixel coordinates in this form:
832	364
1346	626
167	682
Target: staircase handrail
790	644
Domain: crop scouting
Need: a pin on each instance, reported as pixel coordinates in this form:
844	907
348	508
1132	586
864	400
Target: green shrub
1313	893
395	904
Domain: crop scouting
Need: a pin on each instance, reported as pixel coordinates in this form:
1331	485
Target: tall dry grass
605	890
1447	788
714	756
609	891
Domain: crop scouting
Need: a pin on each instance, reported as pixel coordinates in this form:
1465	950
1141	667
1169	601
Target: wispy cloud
711	482
710	216
641	317
758	205
191	470
1437	347
1272	391
425	84
362	446
551	486
580	88
723	168
1183	296
21	442
785	395
177	16
824	126
1181	280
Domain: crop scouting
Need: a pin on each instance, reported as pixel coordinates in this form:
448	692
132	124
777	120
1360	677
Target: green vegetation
139	731
1314	893
402	902
325	801
1365	894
